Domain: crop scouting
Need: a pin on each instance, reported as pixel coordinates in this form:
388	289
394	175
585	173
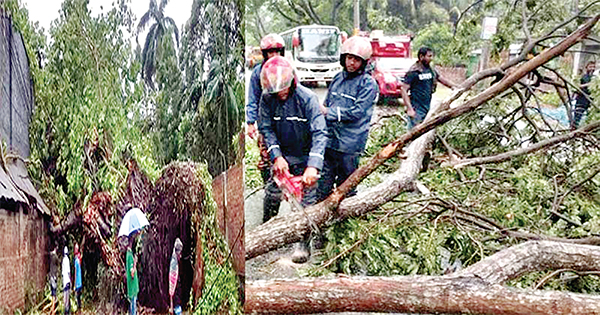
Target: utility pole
579	47
356	17
488	30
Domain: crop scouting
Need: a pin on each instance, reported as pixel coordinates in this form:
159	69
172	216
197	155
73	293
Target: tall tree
213	101
163	26
84	94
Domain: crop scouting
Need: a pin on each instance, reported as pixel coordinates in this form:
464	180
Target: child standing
174	272
78	285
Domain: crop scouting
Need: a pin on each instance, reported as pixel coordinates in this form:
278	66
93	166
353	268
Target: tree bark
280	231
477	289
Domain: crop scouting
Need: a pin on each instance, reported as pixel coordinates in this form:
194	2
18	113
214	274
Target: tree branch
524	22
278	231
476	289
532	148
463	13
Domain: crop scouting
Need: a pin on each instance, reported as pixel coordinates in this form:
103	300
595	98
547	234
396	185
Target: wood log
477	289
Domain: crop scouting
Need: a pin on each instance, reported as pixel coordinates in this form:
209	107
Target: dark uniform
350	106
582	101
296	130
422	81
254	95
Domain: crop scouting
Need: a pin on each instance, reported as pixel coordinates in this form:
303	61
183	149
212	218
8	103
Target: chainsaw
292	188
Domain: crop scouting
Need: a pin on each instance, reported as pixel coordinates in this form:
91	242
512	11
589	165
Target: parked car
388	72
391	60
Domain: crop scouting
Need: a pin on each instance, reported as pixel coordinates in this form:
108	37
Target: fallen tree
478	289
280	231
177	207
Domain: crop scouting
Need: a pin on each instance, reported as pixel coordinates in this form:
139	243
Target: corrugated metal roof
18	172
8	190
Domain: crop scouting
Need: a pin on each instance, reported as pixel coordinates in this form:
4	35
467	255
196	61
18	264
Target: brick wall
23	258
231	217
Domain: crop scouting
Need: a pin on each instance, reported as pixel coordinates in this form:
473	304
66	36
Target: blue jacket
254	93
294	128
77	265
350	101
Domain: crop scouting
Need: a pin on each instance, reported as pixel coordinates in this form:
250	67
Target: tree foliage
394	17
213	100
551	193
93	114
80	130
162	27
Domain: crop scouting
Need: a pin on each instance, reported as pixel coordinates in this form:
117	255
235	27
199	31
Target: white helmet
357	46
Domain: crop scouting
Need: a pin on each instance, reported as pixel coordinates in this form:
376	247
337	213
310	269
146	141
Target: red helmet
357	46
276	75
272	41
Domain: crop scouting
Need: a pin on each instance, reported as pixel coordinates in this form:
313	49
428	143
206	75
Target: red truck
392	59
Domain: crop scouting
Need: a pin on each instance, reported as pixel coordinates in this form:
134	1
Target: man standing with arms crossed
295	135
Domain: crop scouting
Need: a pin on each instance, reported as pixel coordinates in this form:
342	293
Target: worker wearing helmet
295	135
271	45
347	108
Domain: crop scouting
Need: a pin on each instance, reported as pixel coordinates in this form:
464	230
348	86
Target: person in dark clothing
295	134
421	81
53	275
583	100
271	45
348	108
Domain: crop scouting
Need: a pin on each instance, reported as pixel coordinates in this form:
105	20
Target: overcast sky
45	11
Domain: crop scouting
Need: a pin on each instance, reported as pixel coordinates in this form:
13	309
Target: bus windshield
319	45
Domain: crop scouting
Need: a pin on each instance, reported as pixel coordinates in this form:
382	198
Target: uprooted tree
177	208
91	136
480	287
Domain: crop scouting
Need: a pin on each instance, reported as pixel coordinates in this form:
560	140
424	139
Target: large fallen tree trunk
477	289
281	231
268	237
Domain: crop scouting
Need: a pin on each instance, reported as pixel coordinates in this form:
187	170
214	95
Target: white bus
314	51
